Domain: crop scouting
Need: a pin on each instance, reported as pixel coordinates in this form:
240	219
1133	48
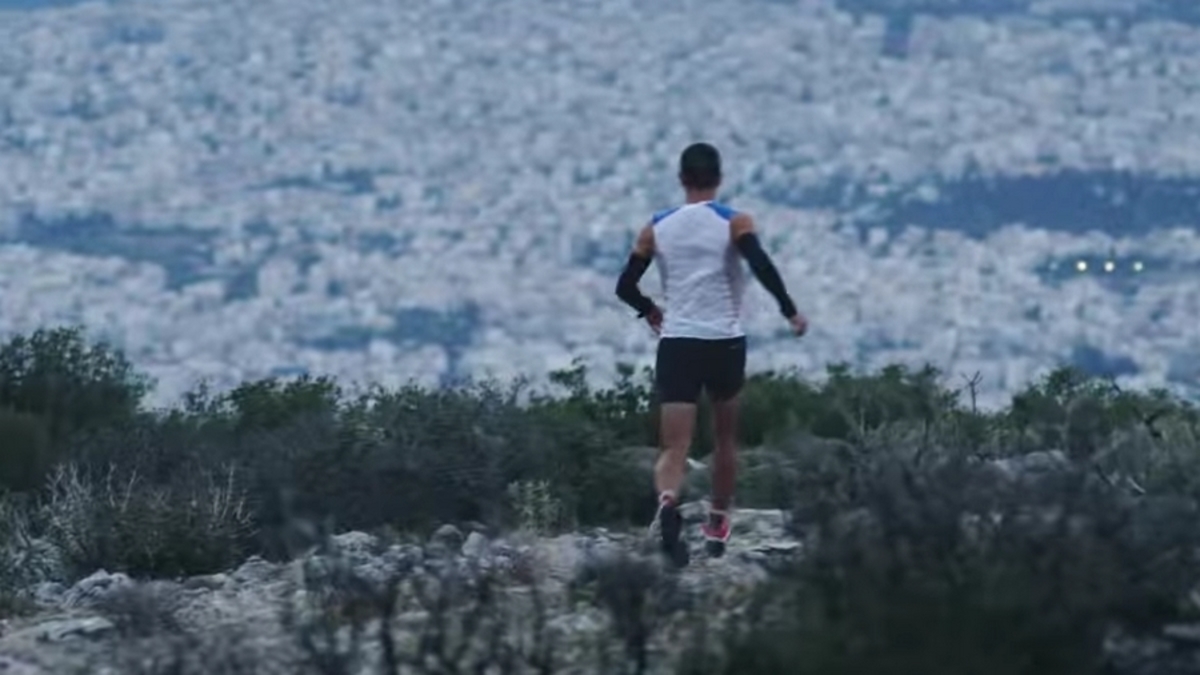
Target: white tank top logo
701	272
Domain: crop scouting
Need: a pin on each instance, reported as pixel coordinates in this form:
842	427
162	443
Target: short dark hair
700	167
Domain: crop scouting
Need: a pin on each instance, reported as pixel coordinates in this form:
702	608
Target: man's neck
697	196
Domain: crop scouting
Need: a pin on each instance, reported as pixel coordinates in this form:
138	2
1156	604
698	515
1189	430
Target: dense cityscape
388	192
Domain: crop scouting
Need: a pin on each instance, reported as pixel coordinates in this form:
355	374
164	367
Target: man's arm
635	267
741	230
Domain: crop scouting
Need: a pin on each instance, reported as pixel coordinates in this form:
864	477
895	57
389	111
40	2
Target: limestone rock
92	588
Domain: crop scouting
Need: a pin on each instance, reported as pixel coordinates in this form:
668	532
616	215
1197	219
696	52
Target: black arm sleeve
764	270
627	285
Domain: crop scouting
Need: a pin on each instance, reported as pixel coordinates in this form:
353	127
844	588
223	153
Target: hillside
884	524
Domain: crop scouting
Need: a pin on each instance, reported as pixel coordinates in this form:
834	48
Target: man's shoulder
661	215
722	210
725	211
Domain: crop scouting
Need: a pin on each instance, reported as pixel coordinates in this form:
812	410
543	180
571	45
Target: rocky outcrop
576	602
262	613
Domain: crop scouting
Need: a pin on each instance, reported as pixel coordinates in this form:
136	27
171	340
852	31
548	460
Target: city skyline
383	193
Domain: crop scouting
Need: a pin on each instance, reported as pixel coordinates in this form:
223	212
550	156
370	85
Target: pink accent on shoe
718	527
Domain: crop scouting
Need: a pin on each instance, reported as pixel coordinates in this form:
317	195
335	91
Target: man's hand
799	324
655	320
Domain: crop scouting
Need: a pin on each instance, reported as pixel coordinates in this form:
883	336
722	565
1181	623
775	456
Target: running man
701	346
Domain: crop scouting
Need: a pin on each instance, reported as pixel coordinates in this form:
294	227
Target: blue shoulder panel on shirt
663	214
721	210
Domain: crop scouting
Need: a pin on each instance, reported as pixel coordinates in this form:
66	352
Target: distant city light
1113	266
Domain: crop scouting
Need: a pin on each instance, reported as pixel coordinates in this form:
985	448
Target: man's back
701	271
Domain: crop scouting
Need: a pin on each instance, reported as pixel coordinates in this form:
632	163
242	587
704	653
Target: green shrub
271	403
538	510
116	522
56	375
413	458
775	404
19	565
935	564
1074	412
25	451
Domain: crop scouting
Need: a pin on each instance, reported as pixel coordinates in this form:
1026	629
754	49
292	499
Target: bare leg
724	469
677	426
724	476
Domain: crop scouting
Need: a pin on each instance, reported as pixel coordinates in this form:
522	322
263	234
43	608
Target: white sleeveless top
702	276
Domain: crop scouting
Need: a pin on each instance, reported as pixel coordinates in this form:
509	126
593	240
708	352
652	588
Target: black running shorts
686	366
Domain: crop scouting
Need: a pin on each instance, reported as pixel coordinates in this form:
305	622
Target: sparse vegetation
934	539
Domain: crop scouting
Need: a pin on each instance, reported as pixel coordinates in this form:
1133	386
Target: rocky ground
465	600
257	618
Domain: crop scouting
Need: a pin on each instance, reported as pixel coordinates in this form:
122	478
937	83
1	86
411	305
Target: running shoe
716	533
668	521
